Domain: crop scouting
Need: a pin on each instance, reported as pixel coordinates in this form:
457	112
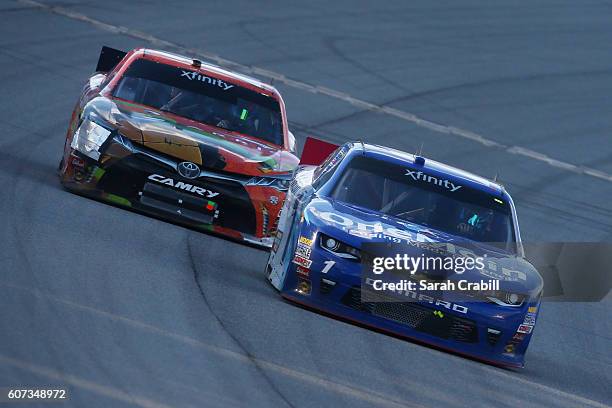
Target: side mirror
291	142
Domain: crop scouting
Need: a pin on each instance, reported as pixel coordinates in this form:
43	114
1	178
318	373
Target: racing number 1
328	266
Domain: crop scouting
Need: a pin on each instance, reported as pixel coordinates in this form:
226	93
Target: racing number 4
328	266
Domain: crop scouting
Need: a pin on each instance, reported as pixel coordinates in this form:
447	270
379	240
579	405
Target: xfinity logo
212	81
419	175
183	186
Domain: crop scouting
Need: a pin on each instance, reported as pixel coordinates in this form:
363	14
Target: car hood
187	140
356	227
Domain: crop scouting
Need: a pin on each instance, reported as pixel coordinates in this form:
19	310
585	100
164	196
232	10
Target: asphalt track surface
126	310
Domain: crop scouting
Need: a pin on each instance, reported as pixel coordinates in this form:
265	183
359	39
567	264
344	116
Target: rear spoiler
316	151
109	58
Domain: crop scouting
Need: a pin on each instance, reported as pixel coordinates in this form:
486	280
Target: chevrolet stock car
363	194
182	140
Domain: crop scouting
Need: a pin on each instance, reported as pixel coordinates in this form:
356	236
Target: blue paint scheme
317	214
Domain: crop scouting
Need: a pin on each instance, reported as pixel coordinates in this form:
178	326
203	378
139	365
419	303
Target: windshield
412	195
203	98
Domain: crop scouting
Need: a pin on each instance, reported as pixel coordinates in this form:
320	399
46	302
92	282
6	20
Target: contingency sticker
303	250
305	241
523	328
530	319
301	261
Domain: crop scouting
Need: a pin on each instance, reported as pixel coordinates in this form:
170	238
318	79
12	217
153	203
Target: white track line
274	76
67	379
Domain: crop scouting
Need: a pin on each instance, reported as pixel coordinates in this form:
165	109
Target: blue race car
363	194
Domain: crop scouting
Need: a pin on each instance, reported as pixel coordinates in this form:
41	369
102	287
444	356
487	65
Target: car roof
382	152
186	62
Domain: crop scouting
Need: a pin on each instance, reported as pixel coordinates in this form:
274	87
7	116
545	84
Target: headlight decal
339	248
280	184
506	298
89	138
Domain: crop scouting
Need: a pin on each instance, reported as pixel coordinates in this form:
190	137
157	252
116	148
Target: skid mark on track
369	396
278	77
252	358
374	398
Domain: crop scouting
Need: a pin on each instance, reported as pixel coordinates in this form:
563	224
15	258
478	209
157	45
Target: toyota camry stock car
182	140
363	194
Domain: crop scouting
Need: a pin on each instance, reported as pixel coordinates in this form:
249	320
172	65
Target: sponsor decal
182	186
265	219
303	250
305	241
370	230
420	176
78	162
302	253
301	261
530	319
196	76
523	328
379	231
302	271
366	234
527	326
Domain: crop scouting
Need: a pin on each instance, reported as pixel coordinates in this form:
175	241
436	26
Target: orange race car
183	140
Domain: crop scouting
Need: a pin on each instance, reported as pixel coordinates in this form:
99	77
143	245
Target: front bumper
137	178
483	333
